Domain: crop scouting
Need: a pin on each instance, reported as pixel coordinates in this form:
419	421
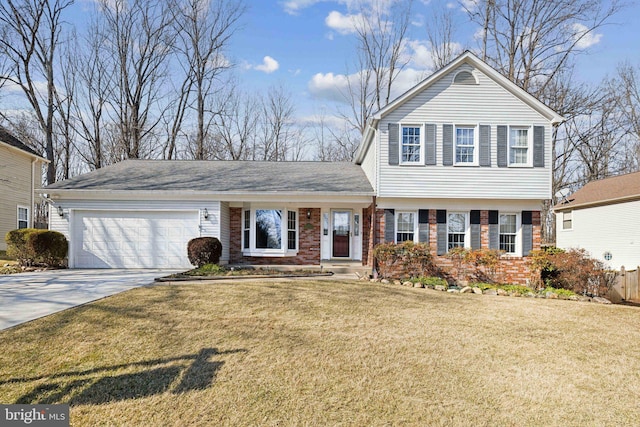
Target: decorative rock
551	295
490	292
407	284
477	291
418	285
515	294
453	291
530	295
384	281
466	290
574	298
502	292
374	280
601	300
397	282
439	288
584	298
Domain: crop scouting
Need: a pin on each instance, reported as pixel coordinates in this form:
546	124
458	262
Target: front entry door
341	234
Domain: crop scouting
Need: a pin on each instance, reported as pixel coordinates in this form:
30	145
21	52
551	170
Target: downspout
32	210
374	272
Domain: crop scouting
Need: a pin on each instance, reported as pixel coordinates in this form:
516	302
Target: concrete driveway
28	296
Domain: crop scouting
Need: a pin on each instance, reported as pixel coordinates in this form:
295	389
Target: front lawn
327	353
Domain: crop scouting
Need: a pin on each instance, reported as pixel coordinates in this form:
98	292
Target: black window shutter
389	225
527	232
441	219
503	149
485	145
394	138
430	144
423	225
494	231
447	145
538	146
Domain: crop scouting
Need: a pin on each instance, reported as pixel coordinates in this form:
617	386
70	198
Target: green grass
307	352
215	270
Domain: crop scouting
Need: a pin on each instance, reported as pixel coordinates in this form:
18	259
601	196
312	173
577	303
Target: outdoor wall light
308	213
60	211
205	213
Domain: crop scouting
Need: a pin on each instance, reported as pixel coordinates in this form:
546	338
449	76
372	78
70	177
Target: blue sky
303	38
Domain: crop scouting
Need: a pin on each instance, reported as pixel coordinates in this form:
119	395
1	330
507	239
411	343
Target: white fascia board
367	138
355	197
603	202
473	60
25	153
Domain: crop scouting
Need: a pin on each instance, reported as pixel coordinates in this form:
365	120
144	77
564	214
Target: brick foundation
511	269
308	241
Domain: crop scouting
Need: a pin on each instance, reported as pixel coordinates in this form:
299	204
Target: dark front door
341	234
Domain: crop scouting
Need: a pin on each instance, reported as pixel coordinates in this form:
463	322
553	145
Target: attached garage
132	239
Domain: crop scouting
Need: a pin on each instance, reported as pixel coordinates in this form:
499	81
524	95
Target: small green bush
30	246
431	281
204	250
211	269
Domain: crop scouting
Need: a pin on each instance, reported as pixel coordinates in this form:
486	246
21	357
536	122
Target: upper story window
405	226
466	145
410	145
567	220
519	146
23	217
508	233
456	230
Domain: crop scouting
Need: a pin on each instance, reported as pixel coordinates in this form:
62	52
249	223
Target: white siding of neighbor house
486	103
208	227
610	228
16	189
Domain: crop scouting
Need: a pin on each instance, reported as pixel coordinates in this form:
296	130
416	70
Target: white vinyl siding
610	228
486	103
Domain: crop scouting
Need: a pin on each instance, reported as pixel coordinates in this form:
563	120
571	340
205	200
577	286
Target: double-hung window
405	226
465	149
269	232
519	146
456	229
567	220
410	145
508	232
23	217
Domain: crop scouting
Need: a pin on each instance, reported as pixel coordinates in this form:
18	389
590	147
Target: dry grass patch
327	353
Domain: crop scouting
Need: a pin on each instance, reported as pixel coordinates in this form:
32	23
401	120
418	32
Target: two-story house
462	159
20	175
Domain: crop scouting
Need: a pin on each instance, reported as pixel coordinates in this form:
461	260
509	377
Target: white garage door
122	239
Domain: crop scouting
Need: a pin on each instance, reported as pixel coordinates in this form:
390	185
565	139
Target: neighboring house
602	218
20	175
462	159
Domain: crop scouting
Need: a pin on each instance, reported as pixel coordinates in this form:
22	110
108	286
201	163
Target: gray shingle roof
223	176
8	138
604	191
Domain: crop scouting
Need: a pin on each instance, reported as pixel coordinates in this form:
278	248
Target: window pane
411	144
464	145
507	223
268	229
247	224
405	226
566	220
518	146
456	228
291	230
23	217
508	233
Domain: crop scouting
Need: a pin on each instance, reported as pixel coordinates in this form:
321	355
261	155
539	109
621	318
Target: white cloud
269	65
584	38
330	86
343	24
293	7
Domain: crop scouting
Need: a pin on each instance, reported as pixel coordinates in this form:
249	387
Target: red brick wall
510	270
308	241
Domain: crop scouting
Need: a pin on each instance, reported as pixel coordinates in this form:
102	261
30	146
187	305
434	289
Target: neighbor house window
269	232
567	220
456	229
291	230
519	146
23	217
465	145
410	144
508	228
405	226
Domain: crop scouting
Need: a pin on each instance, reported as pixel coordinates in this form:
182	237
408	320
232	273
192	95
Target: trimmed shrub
204	250
48	247
30	246
17	245
407	259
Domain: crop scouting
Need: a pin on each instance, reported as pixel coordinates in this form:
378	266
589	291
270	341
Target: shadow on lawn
197	375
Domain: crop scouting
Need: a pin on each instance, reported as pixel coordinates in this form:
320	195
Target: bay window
269	232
